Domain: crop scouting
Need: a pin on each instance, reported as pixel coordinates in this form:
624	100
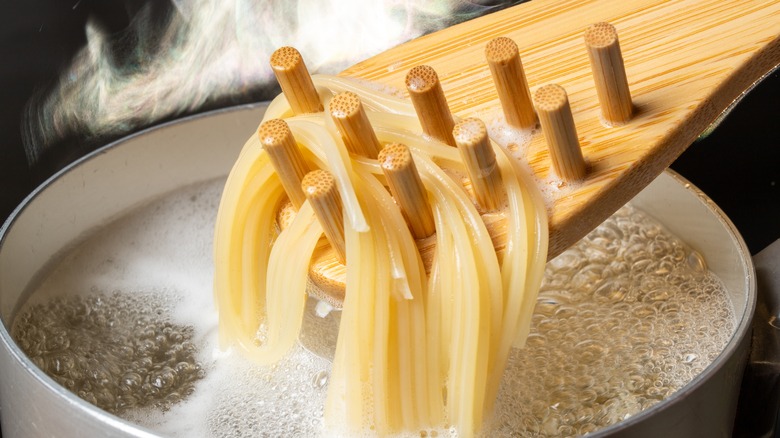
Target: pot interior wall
113	180
688	213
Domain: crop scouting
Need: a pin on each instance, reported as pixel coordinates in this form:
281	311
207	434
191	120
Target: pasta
415	350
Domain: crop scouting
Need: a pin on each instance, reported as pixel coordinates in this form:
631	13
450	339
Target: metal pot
103	185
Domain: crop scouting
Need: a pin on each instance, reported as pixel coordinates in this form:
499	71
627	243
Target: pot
100	187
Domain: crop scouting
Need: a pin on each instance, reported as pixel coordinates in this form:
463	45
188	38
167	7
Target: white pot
120	176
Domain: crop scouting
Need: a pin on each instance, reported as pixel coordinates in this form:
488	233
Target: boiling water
126	320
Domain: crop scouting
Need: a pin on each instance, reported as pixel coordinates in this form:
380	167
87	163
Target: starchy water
117	351
126	320
624	319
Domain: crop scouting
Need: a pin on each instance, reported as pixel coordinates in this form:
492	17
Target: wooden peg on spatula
350	118
286	157
503	58
480	160
552	105
397	164
321	191
609	73
297	86
429	102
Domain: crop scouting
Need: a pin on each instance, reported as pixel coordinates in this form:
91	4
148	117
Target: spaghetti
415	349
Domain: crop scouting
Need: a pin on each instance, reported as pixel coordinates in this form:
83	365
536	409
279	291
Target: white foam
165	248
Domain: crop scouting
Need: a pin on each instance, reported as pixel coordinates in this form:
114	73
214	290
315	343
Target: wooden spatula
686	62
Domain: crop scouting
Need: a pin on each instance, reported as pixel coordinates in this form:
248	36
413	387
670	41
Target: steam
215	51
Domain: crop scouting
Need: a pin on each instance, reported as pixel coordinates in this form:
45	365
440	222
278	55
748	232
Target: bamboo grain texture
407	188
686	62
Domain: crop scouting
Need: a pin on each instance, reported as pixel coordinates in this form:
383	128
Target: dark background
737	165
